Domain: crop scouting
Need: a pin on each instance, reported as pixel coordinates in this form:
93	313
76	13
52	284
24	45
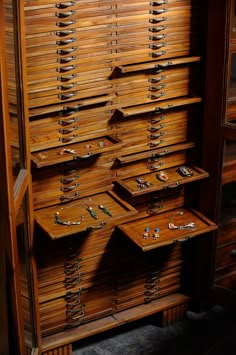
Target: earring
156	233
146	233
105	210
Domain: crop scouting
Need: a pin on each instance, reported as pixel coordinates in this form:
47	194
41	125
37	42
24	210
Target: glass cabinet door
226	239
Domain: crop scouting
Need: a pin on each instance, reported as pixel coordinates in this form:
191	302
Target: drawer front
69	126
69	182
225	255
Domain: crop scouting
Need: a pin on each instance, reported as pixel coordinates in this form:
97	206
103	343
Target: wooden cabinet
114	99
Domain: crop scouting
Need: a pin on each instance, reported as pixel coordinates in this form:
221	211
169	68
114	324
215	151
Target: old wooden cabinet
122	112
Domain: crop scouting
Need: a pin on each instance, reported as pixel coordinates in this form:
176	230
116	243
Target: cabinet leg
62	350
174	314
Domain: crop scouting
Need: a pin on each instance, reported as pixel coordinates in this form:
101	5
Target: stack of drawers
114	95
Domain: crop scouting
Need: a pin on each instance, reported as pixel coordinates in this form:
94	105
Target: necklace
188	225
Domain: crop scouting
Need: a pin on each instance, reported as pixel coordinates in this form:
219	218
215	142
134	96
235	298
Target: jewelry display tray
181	216
73	211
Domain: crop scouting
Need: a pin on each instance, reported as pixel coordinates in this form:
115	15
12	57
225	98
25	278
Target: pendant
92	213
105	210
162	176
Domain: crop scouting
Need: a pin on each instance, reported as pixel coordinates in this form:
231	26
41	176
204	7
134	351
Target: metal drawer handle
163	66
156	29
161	154
157	46
69	198
67	123
159	109
157	80
67	188
62	42
65	33
154	210
171	186
158	54
155	167
154	97
66	131
156	88
64	69
64	5
153	136
154	144
158	12
154	129
156	120
67	87
102	224
66	77
65	14
66	51
157	20
233	253
68	139
68	181
156	38
67	96
65	23
66	60
158	3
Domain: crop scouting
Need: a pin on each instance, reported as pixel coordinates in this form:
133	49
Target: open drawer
76	151
94	212
145	183
173	226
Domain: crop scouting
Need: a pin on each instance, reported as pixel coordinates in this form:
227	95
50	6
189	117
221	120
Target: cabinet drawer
225	255
226	277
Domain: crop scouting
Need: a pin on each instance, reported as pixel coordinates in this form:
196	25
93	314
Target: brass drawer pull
65	23
68	181
66	77
154	129
156	29
157	46
64	69
69	198
156	38
68	139
65	33
62	42
67	123
67	96
156	80
155	55
158	3
158	12
78	317
64	5
66	131
67	188
66	51
156	88
65	14
66	60
67	87
157	20
71	296
163	66
154	136
154	144
154	97
71	270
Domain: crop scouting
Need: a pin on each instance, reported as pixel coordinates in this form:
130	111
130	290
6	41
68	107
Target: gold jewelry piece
65	223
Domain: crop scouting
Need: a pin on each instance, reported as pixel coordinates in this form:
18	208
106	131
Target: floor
210	333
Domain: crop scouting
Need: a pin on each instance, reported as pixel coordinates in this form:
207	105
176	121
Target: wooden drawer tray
73	211
135	230
175	179
76	151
